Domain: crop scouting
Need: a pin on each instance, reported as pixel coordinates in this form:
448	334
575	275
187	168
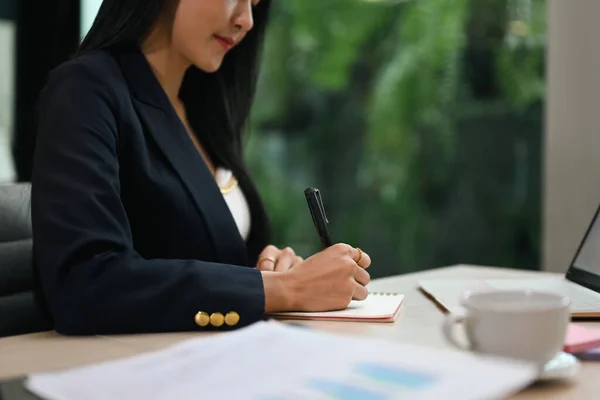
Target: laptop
581	283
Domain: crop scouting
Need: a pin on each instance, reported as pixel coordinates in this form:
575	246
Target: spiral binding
383	294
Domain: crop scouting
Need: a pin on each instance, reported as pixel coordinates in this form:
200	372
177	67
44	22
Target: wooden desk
419	323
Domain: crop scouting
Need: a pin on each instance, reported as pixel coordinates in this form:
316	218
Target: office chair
19	312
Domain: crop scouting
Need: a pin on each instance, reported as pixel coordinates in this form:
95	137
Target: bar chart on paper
365	382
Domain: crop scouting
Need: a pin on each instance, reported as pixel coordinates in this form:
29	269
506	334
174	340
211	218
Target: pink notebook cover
378	307
580	338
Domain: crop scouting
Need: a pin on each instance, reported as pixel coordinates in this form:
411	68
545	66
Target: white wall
572	142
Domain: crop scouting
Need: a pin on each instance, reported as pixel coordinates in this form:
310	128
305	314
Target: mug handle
450	321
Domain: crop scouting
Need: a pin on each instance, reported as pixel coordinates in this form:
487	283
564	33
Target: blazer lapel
169	133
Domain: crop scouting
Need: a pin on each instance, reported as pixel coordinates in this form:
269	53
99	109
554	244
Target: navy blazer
131	232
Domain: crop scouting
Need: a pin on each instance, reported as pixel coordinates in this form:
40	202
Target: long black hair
217	104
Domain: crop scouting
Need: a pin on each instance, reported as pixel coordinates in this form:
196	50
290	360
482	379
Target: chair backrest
19	311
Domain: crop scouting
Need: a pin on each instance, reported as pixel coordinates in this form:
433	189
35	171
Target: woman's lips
226	42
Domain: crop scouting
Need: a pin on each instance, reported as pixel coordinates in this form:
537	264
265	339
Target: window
7	61
420	121
89	9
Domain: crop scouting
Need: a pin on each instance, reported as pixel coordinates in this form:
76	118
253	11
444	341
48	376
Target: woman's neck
168	65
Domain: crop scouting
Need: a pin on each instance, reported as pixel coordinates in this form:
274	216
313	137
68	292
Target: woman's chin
210	66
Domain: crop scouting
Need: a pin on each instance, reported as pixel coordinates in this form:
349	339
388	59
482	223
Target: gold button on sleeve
232	318
202	319
217	319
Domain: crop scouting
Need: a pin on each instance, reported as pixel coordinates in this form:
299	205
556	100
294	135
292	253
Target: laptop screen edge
577	275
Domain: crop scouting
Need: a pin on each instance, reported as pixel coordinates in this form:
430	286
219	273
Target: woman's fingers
362	276
285	260
358	256
268	258
361	258
360	292
274	259
297	260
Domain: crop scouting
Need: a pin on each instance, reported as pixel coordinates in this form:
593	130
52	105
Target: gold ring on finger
360	256
266	259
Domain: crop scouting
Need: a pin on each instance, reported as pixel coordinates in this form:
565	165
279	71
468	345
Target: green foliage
414	94
370	101
521	60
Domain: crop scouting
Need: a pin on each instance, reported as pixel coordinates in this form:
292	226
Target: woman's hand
326	281
274	259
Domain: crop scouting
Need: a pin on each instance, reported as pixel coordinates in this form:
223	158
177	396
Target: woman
144	216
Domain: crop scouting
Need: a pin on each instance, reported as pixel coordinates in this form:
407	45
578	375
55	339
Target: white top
236	201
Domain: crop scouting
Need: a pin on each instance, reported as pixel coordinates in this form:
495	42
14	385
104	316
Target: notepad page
270	360
376	306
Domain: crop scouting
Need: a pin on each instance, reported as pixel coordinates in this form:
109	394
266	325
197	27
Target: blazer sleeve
92	278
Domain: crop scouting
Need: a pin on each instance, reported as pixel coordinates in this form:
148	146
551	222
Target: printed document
274	361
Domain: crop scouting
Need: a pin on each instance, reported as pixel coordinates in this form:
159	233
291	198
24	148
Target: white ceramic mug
522	324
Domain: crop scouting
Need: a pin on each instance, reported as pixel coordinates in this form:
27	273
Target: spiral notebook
377	307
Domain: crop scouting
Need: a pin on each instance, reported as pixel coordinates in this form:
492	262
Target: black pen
317	211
